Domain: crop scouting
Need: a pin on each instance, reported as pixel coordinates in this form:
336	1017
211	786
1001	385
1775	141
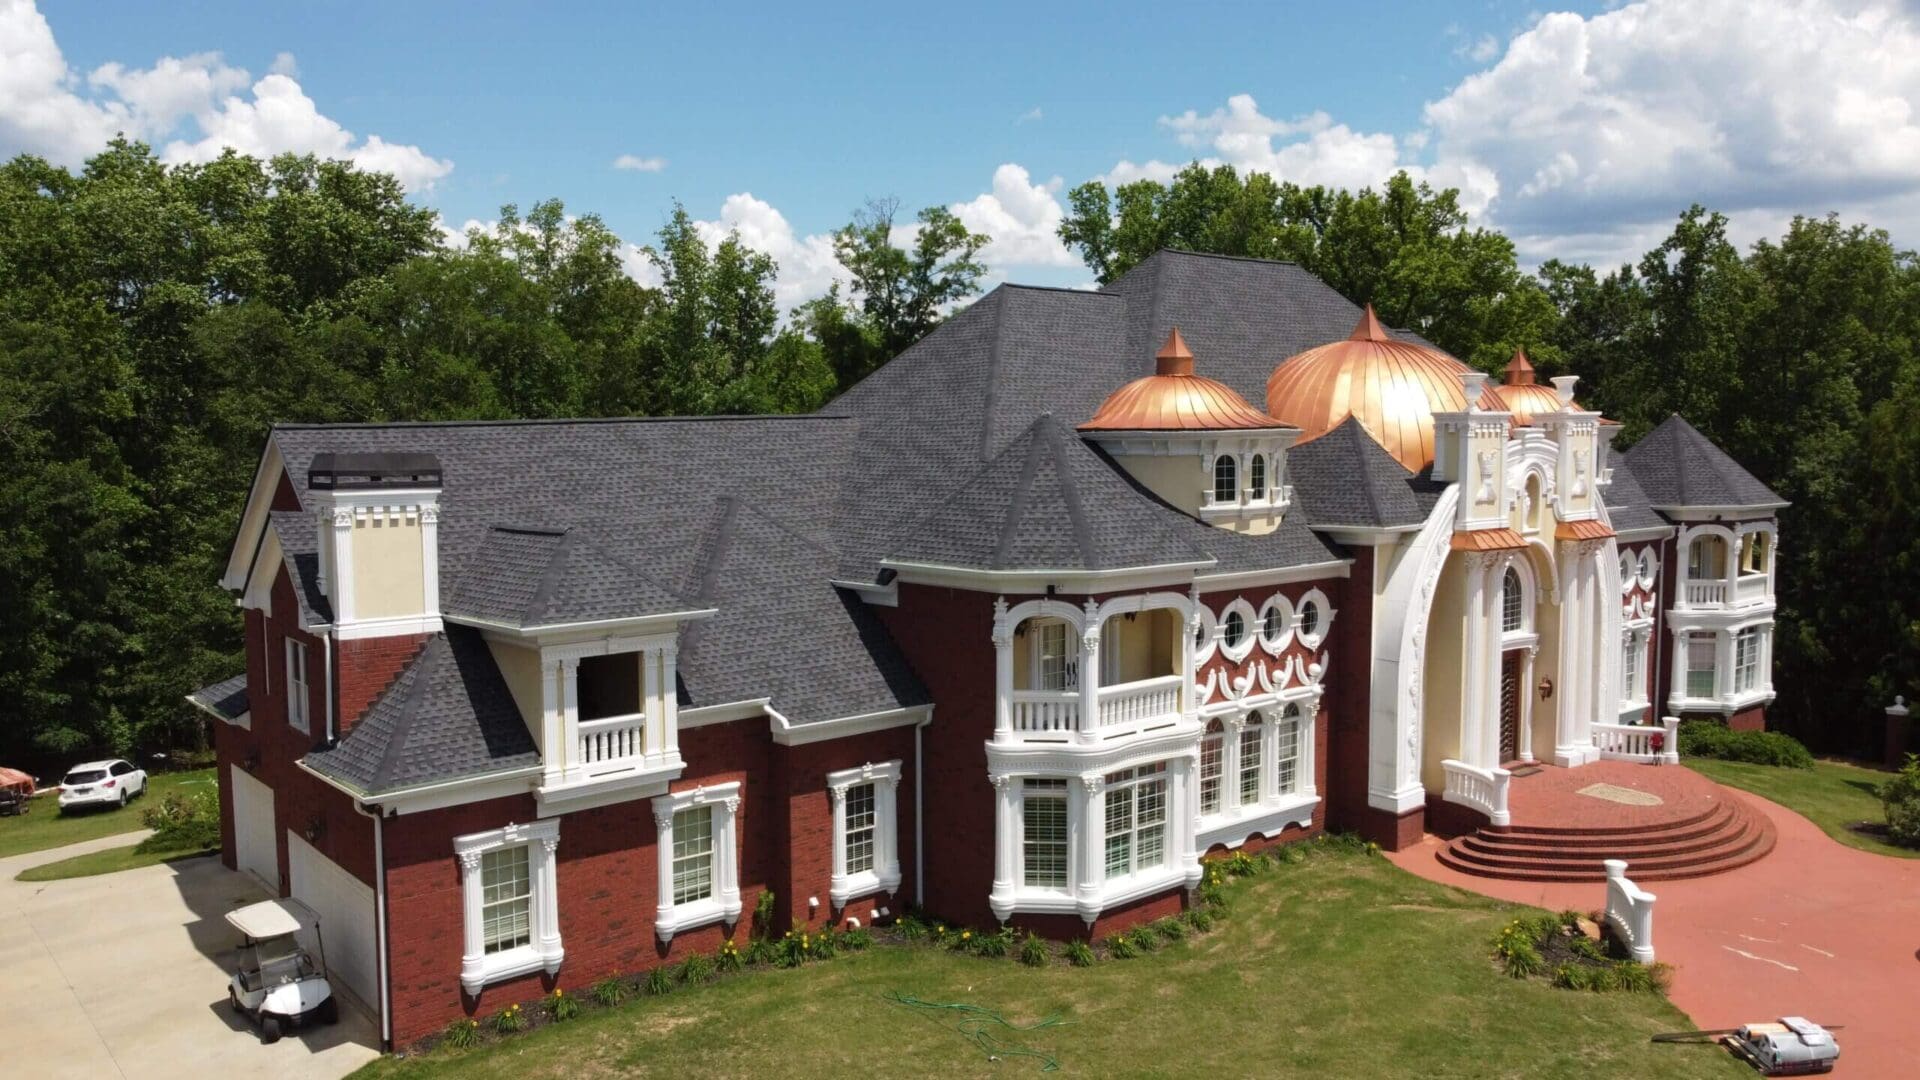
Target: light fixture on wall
1546	688
316	828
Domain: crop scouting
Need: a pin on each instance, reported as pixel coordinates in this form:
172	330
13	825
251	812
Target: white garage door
253	830
345	905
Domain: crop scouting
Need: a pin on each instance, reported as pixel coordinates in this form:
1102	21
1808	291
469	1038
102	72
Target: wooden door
1509	705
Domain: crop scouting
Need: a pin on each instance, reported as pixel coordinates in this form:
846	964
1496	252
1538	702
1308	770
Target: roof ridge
417	677
992	382
1072	290
1070	492
1217	255
562	421
1017	502
542	597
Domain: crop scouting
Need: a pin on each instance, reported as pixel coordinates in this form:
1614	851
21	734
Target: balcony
612	739
1711	593
1120	710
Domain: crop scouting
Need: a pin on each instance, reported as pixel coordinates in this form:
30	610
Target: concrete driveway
126	975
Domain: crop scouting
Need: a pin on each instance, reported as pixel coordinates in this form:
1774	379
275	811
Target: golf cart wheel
269	1029
233	999
330	1011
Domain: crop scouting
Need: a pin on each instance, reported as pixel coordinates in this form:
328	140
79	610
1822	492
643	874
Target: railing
1706	593
1484	790
1629	912
1045	712
1750	588
613	738
1639	742
1131	703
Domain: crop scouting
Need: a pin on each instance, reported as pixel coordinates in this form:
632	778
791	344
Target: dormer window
1256	477
1226	487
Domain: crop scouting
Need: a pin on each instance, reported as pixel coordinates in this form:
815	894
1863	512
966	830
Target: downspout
326	649
380	919
919	820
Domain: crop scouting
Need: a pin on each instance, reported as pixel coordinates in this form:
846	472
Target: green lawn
1832	795
1340	966
45	827
110	861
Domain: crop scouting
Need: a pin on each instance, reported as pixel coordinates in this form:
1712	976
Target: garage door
345	905
253	830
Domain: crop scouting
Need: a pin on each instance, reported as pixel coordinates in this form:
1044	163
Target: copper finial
1174	357
1369	328
1519	370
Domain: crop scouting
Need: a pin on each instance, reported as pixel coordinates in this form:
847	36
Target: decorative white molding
724	904
543	952
1630	912
884	877
787	733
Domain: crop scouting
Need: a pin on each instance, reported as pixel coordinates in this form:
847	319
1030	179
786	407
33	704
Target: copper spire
1174	358
1519	370
1369	328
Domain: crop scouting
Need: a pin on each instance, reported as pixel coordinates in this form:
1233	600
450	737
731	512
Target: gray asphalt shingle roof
447	716
1627	505
227	698
1678	466
1344	478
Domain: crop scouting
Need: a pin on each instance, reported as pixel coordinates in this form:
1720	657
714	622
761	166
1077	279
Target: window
1628	570
1746	659
697	858
1753	554
1701	661
298	700
693	854
506	907
1226	487
1631	684
1513	604
1055	667
510	914
1213	749
1286	764
1646	568
1257	477
1250	742
1273	624
1044	844
866	851
1234	630
1136	820
1706	558
1309	618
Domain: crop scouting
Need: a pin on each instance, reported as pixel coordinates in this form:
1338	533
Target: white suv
101	783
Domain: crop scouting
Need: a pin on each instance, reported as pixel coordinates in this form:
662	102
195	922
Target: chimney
379	518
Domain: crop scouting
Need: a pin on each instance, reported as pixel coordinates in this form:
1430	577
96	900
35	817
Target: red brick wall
808	846
1069	927
1754	719
367	666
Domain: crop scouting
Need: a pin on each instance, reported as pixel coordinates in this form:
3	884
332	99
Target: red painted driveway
1815	929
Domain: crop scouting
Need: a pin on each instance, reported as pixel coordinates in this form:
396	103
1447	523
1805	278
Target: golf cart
278	984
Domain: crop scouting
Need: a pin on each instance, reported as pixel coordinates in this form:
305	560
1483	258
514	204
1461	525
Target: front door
1509	705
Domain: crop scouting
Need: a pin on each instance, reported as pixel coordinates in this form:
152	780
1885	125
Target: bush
857	939
1901	798
461	1034
180	822
696	968
609	992
659	982
729	958
762	928
1033	951
1200	919
910	928
1079	953
561	1007
1144	938
1121	947
509	1020
1712	739
1173	928
995	944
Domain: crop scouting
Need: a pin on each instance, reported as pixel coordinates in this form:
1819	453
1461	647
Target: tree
901	292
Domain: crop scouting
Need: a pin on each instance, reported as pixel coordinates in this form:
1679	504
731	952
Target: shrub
1121	947
1200	919
658	981
1638	978
910	928
1144	938
461	1034
696	968
1660	973
1243	864
996	944
609	992
1522	960
1342	843
763	916
1578	977
180	822
1901	798
509	1020
826	945
1173	928
729	959
561	1007
960	942
1033	951
857	939
1712	739
1079	953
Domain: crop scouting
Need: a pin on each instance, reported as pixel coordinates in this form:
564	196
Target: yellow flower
966	935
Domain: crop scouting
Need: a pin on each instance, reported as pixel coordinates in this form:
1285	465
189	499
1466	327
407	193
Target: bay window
1702	663
1043	851
1746	659
1251	738
1212	763
1136	815
1286	759
510	903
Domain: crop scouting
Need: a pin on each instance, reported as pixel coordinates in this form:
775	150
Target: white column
837	887
663	866
1490	620
1180	814
1309	731
1526	702
727	852
342	596
553	727
546	899
1006	822
1231	728
1090	673
430	558
1092	876
569	755
669	701
1002	672
655	724
886	838
1723	664
473	960
1566	748
1677	681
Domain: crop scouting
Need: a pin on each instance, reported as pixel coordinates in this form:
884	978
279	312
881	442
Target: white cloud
1021	217
636	163
46	109
1032	115
808	266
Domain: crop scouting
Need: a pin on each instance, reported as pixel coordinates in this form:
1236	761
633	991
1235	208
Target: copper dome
1392	387
1521	395
1173	398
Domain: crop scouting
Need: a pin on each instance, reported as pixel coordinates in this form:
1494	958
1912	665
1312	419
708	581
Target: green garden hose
974	1022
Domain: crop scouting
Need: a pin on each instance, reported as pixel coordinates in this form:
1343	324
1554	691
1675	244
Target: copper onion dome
1522	396
1173	398
1392	387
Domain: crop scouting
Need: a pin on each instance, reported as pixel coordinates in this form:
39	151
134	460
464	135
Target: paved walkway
126	975
1815	929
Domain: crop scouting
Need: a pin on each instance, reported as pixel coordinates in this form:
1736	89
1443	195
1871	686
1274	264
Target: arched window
1226	486
1234	630
1309	618
1251	738
1257	477
1212	761
1753	556
1706	558
1513	604
1286	756
1273	624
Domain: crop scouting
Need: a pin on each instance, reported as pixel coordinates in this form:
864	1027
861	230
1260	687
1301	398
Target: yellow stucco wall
388	577
1177	479
521	668
1442	685
1143	645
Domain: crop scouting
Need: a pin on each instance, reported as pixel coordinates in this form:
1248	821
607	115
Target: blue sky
1580	129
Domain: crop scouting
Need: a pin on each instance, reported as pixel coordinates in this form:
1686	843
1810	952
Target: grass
110	861
46	827
1340	965
1832	795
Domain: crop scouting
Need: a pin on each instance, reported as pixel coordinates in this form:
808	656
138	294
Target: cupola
378	520
1524	397
1173	398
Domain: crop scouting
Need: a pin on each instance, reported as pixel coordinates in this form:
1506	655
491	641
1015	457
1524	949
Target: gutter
380	918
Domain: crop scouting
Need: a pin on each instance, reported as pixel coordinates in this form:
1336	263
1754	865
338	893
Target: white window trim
299	698
1277	643
885	875
724	905
544	952
1249	630
1274	810
1318	600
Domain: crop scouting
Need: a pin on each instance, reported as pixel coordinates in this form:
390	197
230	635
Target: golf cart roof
271	918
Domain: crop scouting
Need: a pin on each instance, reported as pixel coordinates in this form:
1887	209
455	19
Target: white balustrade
1751	588
1706	593
1135	702
614	738
1629	912
1484	790
1639	742
1045	712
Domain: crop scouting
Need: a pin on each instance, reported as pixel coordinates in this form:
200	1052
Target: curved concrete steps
1727	835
